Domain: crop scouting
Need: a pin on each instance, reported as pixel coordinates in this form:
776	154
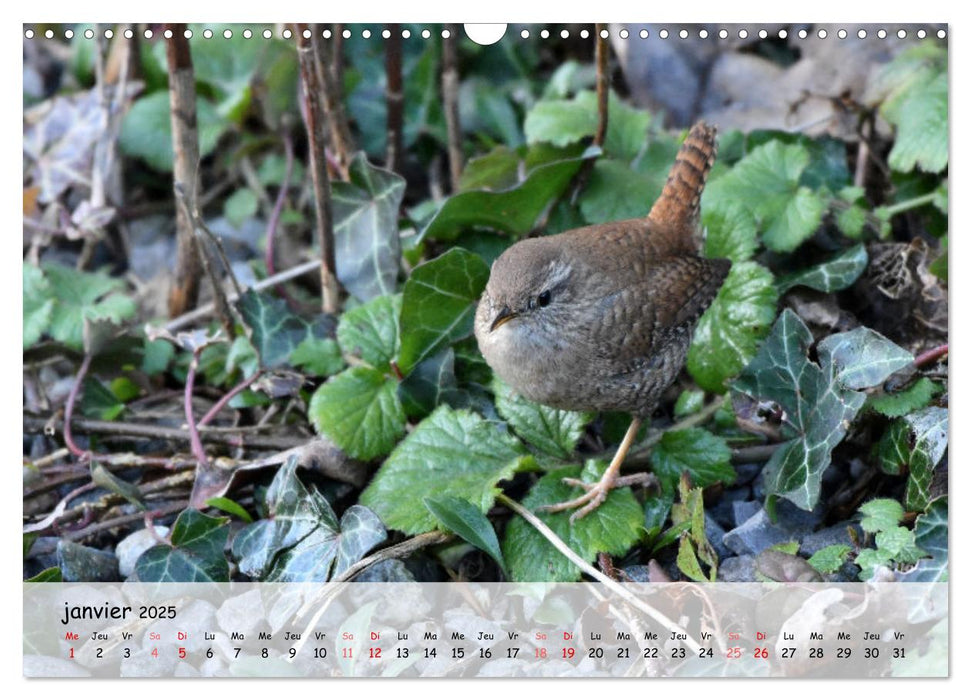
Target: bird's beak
505	314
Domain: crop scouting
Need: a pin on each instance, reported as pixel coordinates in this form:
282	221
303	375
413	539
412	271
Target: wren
600	318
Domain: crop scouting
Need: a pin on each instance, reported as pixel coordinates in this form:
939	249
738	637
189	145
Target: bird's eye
544	298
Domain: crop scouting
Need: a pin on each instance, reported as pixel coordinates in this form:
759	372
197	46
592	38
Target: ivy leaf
438	305
928	434
359	410
276	331
467	521
553	431
829	560
613	527
302	540
767	182
729	332
146	131
450	453
930	534
195	554
832	276
370	331
367	244
916	396
514	210
83	295
38	304
819	401
431	383
704	457
881	514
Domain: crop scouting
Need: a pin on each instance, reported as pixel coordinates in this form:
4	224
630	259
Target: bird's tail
680	202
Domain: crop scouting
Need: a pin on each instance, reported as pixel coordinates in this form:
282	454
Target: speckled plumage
623	299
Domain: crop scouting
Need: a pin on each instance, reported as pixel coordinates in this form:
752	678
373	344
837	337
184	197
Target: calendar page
453	351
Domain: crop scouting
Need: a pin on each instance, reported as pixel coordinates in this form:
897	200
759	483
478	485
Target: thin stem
69	410
219	405
908	204
190	379
395	98
450	98
932	355
643	451
601	56
281	197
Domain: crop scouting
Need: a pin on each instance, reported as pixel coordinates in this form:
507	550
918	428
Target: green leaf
922	128
730	232
694	547
496	170
916	396
613	527
276	331
704	457
616	192
553	431
467	521
195	555
862	357
106	480
49	575
38	304
146	131
97	401
370	331
689	402
302	540
869	559
729	332
450	453
359	410
563	122
829	560
319	357
83	295
819	401
438	305
930	534
228	505
928	433
514	210
240	206
367	244
899	542
881	514
832	276
767	183
430	383
851	220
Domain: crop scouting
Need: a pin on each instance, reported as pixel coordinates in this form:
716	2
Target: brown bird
600	318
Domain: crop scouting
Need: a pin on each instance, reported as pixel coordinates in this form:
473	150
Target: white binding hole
941	34
386	34
347	33
743	34
584	33
267	33
306	33
227	34
287	34
821	34
207	33
861	34
901	33
89	34
921	34
187	33
624	33
643	34
604	34
167	33
68	33
405	33
881	33
783	33
326	34
803	33
247	34
425	34
29	33
544	34
663	33
445	33
50	33
683	34
841	33
763	34
366	33
564	34
722	33
703	33
524	34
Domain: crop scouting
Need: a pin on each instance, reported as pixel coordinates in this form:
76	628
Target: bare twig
314	116
641	454
122	520
281	197
190	380
578	561
204	311
395	98
330	63
450	98
156	432
184	292
602	62
395	551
